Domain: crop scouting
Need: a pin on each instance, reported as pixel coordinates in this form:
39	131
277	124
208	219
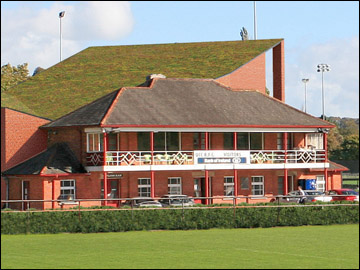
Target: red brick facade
21	139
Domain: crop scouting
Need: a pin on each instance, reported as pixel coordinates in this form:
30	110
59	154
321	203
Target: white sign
221	157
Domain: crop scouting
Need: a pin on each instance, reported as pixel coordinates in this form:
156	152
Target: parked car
176	200
344	194
311	196
143	202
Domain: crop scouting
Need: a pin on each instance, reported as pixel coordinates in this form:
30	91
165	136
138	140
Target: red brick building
21	139
199	137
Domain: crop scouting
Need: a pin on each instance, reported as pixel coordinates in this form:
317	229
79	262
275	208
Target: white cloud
32	35
341	84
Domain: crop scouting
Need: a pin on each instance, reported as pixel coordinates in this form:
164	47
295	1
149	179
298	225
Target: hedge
24	222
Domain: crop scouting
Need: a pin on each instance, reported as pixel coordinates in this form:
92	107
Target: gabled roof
58	159
97	71
189	102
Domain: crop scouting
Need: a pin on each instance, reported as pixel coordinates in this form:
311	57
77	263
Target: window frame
229	184
255	184
96	147
71	187
146	186
172	186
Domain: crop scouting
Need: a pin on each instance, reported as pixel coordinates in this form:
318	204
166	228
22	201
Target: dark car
344	194
142	202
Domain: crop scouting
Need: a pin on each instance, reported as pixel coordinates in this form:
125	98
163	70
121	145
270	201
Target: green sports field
306	247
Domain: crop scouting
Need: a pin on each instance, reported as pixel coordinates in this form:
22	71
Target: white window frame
320	183
229	186
147	193
95	147
65	188
174	186
256	186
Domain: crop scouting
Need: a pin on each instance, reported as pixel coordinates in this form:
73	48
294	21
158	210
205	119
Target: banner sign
221	157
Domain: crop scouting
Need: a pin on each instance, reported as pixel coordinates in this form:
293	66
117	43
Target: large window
244	183
250	140
199	140
143	141
315	140
67	190
174	185
229	186
113	142
166	141
95	142
257	185
144	187
280	139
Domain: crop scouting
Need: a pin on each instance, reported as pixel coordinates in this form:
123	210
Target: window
143	140
244	183
281	185
95	142
67	190
249	140
144	187
166	141
174	185
199	141
320	183
228	141
257	185
315	140
229	186
113	144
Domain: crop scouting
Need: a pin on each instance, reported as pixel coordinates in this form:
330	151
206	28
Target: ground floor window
320	183
144	187
67	189
174	185
244	183
229	186
257	185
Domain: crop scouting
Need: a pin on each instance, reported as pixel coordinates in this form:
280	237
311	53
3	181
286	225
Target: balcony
212	159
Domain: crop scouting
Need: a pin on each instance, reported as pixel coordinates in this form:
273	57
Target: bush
174	219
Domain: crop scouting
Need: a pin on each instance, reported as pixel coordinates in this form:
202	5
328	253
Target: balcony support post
285	161
206	171
104	163
152	173
235	171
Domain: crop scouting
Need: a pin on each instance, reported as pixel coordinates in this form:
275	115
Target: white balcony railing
140	158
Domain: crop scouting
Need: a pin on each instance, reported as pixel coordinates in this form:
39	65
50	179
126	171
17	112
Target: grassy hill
96	71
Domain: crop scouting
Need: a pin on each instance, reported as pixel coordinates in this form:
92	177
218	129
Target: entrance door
25	194
200	184
113	191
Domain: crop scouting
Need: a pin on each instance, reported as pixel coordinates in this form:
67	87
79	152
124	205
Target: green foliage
11	75
174	219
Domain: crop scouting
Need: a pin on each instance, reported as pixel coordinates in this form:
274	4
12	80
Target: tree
11	75
349	148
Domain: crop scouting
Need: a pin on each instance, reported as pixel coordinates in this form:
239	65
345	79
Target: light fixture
322	68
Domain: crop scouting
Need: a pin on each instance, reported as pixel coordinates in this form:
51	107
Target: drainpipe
326	160
206	171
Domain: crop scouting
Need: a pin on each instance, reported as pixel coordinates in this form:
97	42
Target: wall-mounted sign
114	175
221	157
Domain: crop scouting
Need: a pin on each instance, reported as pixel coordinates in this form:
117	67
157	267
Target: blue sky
314	32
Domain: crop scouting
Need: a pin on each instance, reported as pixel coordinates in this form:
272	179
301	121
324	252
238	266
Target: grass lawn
306	247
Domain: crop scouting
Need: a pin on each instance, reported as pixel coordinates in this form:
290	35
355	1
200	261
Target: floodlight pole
61	14
322	68
305	81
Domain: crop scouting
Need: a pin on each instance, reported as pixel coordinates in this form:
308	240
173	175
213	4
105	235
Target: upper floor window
95	142
280	141
315	140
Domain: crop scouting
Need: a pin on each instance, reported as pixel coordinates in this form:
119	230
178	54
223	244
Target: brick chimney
279	72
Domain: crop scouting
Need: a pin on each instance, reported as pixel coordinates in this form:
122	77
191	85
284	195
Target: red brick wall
20	139
250	76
